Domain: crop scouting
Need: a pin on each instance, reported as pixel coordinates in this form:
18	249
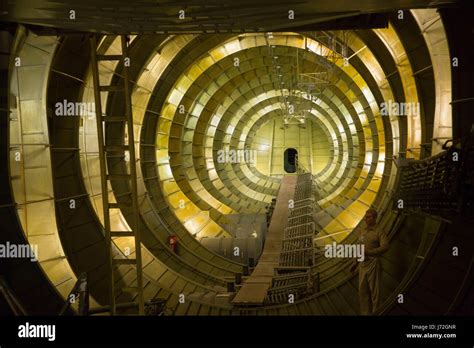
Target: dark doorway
290	156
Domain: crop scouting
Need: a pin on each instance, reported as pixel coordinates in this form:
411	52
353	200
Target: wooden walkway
255	288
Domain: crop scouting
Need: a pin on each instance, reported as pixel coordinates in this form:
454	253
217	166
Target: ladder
123	86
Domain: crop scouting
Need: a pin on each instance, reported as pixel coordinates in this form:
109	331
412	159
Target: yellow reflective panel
247	42
359	209
164	126
365	171
164	172
205	62
168	111
189	210
391	40
31	174
195	224
379	169
374	185
125	242
368	157
295	41
379	122
162	141
177	199
194	72
333	228
369	96
226	210
215	120
218	53
208	152
204	98
209	140
213	174
196	185
435	36
212	230
184	83
212	89
170	186
360	82
260	40
197	109
232	46
367	197
369	145
213	202
175	96
347	219
363	119
357	185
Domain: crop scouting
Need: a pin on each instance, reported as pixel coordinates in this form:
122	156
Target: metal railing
300	169
300	284
441	184
294	277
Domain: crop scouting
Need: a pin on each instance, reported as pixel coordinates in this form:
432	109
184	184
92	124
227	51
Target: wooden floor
255	288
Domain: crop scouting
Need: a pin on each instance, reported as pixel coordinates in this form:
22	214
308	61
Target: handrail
297	253
438	184
300	169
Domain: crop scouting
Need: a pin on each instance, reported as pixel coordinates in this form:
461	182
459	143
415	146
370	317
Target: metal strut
123	86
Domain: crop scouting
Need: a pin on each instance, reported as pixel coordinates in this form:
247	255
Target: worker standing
375	243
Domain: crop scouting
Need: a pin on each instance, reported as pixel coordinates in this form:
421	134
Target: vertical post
310	142
103	171
133	173
270	151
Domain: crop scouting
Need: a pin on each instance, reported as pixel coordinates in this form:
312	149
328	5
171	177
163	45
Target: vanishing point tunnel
178	160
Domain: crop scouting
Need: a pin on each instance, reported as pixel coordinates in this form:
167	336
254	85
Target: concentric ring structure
198	95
